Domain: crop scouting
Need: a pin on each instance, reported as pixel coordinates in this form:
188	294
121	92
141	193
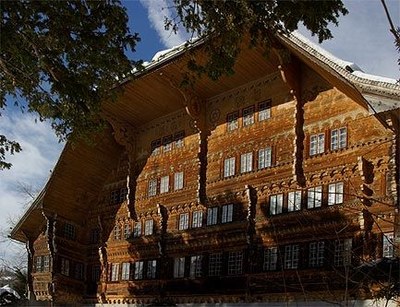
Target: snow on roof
350	67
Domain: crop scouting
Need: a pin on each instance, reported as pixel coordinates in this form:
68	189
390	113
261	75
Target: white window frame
183	221
151	269
339	138
248	116
232	121
270	258
138	274
246	162
164	184
178	181
114	271
276	204
264	157
197	219
126	270
212	216
314	197
167	143
137	229
388	245
316	254
335	193
291	257
235	262
227	213
294	201
117	232
127	230
179	139
317	144
264	110
342	253
179	267
148	227
215	264
152	189
229	167
46	263
195	266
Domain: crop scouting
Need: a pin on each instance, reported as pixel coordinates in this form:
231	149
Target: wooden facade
274	184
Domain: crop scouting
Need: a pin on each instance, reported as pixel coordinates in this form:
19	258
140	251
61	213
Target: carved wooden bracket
124	133
290	69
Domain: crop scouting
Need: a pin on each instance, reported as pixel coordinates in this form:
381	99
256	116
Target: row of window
338	140
293	201
140	228
133	271
168	142
293	256
162	185
118	196
248	115
278	203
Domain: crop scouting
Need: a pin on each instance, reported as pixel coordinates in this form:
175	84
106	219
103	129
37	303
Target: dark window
178	139
155	146
69	231
167	143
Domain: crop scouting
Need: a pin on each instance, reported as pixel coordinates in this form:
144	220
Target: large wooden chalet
275	184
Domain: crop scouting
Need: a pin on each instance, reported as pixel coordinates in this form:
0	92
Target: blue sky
362	37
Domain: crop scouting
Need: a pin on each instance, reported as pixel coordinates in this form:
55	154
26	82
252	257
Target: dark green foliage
7	146
60	59
227	22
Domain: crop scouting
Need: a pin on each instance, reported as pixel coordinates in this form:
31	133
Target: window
215	264
95	276
227	213
212	215
167	143
39	267
291	256
195	266
229	167
138	270
183	221
123	192
137	229
125	271
178	138
316	254
342	255
246	162
270	258
294	201
275	204
155	147
338	138
235	262
387	245
148	227
94	235
164	184
178	181
151	269
127	230
314	197
317	144
114	197
65	266
232	120
248	116
335	193
197	219
179	267
264	110
46	263
78	270
264	157
152	187
117	232
69	231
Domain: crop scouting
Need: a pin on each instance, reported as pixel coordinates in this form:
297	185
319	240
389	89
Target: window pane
248	116
179	267
152	187
148	227
246	162
264	158
178	181
215	264
197	219
227	213
229	167
232	120
183	221
164	184
264	110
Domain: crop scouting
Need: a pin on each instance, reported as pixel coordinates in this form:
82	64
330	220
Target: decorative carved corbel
290	69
